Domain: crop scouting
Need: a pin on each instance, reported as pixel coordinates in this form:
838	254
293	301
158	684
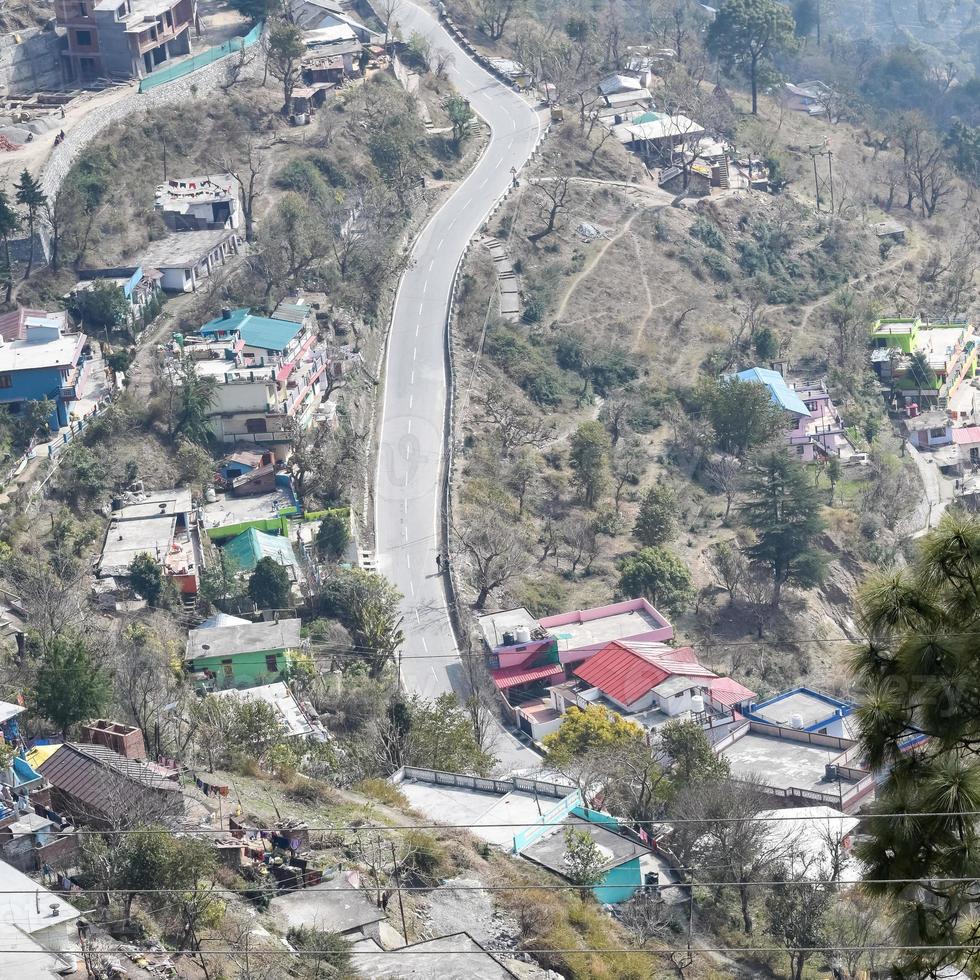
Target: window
226	667
680	694
84	38
82	10
937	433
272	663
6	381
255	425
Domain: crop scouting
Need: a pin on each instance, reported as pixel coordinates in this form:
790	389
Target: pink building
522	651
815	428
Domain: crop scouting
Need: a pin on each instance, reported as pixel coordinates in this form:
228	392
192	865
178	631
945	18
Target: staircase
510	296
724	177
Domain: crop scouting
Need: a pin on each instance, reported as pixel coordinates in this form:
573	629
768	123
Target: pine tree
9	223
920	670
70	685
784	511
656	523
30	196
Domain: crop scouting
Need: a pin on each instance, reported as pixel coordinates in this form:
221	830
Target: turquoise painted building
622	872
251	546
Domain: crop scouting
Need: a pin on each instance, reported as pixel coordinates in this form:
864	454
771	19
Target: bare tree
759	593
515	422
722	835
628	463
580	542
725	475
730	568
493	16
387	12
616	412
443	60
245	160
236	66
522	477
495	551
554	191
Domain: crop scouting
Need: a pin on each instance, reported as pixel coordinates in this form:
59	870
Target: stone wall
32	65
199	83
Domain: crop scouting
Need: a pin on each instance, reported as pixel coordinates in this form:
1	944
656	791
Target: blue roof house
814	428
781	393
622	871
45	363
272	372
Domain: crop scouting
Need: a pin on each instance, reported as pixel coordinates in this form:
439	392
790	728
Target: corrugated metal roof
251	546
98	779
780	392
727	691
967	435
505	677
626	671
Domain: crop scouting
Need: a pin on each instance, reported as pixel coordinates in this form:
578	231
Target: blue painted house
44	362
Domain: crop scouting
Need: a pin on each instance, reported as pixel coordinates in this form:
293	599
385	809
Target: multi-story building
814	426
271	372
123	38
39	359
926	362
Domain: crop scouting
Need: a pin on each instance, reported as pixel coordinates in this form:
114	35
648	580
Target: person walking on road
439	560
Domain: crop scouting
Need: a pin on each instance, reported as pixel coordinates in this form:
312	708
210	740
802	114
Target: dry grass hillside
671	292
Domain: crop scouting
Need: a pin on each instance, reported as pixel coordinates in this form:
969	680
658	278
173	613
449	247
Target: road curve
412	416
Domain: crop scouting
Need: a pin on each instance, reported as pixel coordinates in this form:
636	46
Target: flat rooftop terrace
605	629
456	957
781	763
808	707
237	510
458	805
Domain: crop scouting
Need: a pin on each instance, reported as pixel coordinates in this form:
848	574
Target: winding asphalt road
408	485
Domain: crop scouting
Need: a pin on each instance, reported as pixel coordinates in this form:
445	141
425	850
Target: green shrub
720	267
708	234
382	791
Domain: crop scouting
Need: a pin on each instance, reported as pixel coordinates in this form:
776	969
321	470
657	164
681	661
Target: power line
354	651
409	951
728	883
665	821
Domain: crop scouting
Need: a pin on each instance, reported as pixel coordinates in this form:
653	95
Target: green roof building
251	546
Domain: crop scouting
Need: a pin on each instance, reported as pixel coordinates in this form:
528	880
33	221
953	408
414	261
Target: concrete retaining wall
172	93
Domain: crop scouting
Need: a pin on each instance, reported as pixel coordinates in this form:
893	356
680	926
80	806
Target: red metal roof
505	677
729	692
12	324
967	435
626	671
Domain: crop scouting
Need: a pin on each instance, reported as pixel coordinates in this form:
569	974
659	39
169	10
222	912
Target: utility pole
398	888
830	166
816	182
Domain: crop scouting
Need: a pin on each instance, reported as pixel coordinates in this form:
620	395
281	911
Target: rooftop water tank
796	721
522	634
697	704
